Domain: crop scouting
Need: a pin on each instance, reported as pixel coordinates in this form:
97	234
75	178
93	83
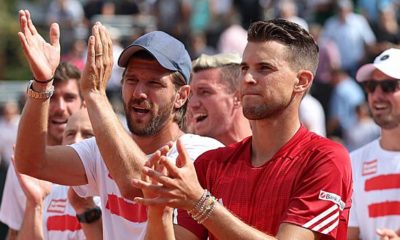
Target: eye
204	92
70	98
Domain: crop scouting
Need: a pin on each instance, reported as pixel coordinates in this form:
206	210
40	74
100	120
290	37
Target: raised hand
99	62
178	189
35	189
43	57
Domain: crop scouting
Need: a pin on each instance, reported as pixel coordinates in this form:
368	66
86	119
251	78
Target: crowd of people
289	133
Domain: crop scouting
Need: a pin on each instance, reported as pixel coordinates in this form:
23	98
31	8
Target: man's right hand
43	57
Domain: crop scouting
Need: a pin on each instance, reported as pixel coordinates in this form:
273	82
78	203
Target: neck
271	134
150	144
51	141
238	131
390	139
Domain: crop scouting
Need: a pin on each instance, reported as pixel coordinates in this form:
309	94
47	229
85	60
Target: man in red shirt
284	181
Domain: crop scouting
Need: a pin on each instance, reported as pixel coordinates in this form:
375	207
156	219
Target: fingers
54	35
183	157
107	48
98	46
386	233
30	23
90	59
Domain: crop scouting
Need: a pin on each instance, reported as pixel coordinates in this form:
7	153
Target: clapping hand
43	57
99	62
177	188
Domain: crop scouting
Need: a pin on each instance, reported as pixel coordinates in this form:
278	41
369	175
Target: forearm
122	156
32	226
94	230
32	133
160	225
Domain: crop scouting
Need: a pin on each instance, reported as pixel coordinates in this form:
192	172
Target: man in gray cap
215	109
155	91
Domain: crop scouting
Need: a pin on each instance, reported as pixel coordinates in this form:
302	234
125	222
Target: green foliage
12	63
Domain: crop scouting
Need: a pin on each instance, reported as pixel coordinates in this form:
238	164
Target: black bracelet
46	81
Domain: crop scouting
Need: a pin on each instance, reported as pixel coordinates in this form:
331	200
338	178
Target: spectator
65	101
346	96
49	213
363	131
214	105
8	132
352	35
376	165
287	9
70	15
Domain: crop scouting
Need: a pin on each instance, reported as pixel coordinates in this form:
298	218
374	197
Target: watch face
90	215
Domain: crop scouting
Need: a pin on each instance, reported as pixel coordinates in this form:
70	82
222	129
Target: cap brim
126	55
364	73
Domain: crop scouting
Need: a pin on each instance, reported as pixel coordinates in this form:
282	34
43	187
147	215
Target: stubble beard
156	123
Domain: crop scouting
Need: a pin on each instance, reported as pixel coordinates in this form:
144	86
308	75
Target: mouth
200	117
141	110
59	121
379	106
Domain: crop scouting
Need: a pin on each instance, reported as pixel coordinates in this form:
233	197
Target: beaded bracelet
203	208
199	203
208	211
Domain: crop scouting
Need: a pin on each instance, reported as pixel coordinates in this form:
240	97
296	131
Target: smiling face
64	102
149	96
385	107
267	80
78	128
211	104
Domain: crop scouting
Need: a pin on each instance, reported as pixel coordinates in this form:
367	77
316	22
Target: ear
305	79
182	96
236	99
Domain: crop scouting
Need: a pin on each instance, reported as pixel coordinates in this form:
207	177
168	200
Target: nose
248	78
59	104
140	91
194	102
78	137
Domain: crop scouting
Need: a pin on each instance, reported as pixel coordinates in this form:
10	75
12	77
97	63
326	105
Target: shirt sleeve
13	204
88	153
322	199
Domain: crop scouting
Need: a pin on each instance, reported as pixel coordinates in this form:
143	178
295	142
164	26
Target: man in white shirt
155	91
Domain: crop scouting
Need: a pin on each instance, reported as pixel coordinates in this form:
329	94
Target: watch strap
38	95
89	215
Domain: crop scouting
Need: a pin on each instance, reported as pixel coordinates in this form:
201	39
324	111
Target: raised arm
122	156
32	156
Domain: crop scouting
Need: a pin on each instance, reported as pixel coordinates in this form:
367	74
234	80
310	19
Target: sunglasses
387	86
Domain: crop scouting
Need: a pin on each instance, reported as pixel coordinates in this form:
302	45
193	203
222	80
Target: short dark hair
303	48
66	71
177	79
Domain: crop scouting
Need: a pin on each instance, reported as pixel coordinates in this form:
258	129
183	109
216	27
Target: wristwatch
38	95
89	215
